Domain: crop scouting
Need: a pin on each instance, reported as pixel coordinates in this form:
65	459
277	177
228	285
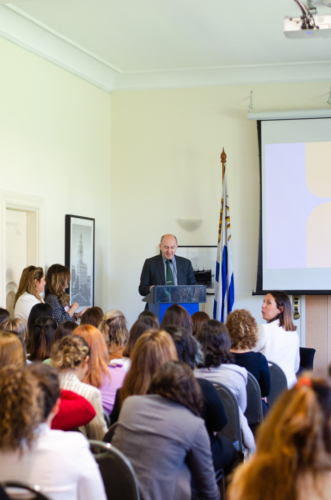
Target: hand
150	288
78	315
73	308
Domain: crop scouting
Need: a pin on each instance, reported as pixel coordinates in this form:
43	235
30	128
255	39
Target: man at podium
166	268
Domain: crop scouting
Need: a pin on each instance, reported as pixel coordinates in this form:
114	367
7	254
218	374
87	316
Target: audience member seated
37	311
114	330
17	326
278	339
242	329
198	319
61	464
71	356
41	339
11	350
74	411
149	314
164	438
152	349
31	285
218	367
107	378
92	316
178	316
63	330
4	314
293	456
138	329
57	281
188	349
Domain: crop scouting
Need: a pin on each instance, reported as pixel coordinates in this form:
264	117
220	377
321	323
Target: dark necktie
170	277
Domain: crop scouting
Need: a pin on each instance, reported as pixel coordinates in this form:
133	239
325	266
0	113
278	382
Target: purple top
108	389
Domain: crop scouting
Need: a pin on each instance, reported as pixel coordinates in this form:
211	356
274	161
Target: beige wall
318	330
55	143
165	166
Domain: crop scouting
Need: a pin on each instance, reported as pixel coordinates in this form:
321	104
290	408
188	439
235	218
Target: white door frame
27	203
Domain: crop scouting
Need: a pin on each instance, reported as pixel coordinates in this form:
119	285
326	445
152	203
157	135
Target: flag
224	284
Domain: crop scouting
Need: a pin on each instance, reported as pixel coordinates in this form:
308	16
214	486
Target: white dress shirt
24	305
60	463
281	347
97	428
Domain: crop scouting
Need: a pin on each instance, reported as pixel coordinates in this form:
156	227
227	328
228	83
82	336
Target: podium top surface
180	294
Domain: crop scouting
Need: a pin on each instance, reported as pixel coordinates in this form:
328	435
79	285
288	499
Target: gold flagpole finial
223	161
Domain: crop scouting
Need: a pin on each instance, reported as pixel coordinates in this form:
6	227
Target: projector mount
308	21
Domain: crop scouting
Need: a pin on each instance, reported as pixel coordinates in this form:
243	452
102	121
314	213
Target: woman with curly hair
108	378
113	328
31	285
219	367
30	452
71	356
242	329
293	456
164	438
151	350
57	280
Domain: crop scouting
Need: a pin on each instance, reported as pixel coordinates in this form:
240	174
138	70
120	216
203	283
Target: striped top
97	428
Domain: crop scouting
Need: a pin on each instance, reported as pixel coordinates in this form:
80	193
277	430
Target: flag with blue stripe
224	284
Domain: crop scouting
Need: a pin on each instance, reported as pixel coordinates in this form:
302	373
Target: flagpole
223	161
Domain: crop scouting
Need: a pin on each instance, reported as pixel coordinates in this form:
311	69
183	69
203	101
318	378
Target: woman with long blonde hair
102	375
293	457
31	285
151	350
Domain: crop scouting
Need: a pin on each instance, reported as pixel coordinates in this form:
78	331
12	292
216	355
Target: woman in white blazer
277	339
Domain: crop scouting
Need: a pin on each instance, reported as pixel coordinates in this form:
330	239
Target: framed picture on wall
203	260
79	257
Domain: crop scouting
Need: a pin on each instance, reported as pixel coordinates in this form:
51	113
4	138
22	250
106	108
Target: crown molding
27	32
43	42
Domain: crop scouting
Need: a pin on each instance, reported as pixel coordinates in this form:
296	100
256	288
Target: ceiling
121	44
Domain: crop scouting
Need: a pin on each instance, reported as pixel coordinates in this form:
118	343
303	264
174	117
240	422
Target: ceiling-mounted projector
307	25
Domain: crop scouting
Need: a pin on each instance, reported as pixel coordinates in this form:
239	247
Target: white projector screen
295	230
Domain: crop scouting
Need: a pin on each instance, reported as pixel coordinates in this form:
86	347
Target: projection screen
295	225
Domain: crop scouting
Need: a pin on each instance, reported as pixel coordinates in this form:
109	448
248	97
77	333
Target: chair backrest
109	434
253	411
232	430
278	382
117	473
307	358
19	491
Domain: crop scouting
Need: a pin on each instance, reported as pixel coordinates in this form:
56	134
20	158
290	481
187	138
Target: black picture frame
80	231
205	255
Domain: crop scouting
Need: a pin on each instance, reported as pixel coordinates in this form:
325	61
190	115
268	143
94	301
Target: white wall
166	146
55	143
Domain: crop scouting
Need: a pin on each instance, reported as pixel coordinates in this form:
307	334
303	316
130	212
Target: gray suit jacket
153	273
164	441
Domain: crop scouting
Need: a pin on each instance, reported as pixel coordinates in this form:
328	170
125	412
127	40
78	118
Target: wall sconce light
189	224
